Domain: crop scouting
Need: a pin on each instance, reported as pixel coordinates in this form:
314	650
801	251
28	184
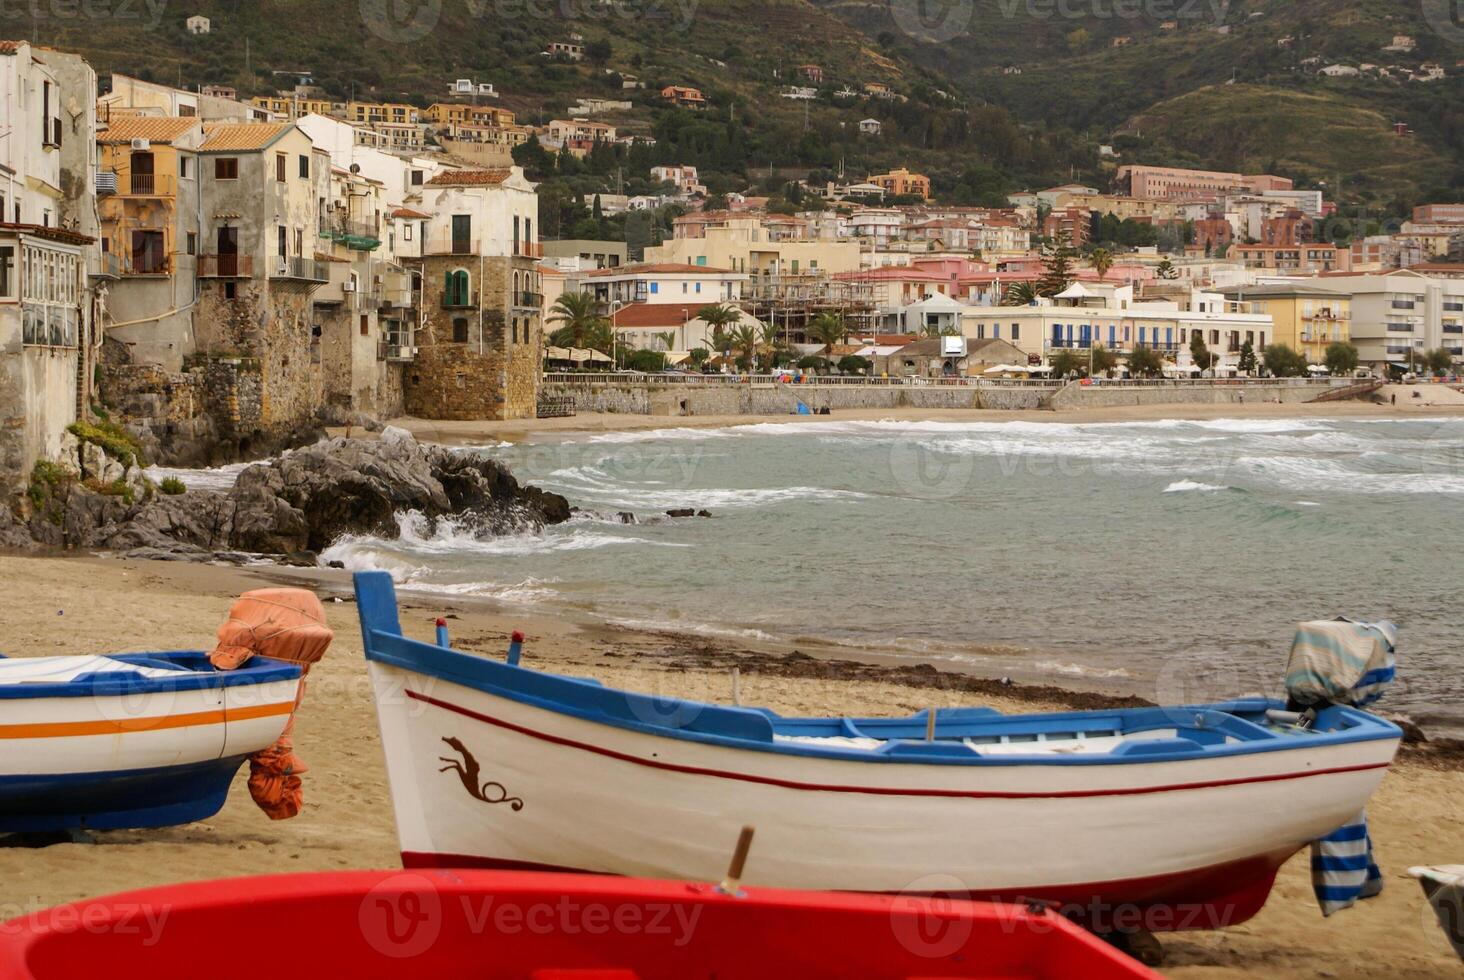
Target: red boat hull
474	924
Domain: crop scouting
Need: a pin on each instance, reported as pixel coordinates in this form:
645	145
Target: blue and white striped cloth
1342	866
1341	661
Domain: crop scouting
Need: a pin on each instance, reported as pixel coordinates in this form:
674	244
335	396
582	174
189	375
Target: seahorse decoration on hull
470	773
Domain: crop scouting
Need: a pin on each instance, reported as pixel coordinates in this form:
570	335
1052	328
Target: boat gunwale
574	697
257	670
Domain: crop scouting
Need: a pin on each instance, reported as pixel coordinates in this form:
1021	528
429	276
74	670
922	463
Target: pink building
1172	184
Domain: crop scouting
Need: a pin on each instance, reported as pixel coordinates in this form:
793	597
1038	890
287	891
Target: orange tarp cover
284	624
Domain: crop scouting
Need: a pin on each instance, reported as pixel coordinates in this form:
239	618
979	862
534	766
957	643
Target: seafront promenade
769	394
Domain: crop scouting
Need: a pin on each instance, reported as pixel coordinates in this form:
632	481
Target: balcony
146	265
109	265
299	267
459	300
448	245
146	185
363	236
531	249
528	301
225	266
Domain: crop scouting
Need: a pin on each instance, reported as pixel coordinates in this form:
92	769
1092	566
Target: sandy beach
87	605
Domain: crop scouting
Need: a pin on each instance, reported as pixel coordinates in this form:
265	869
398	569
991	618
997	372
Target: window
282	239
655	287
7	271
280	167
416	178
365	325
305	166
299	241
460	330
407	232
1016	331
185	167
193	243
226	168
455	289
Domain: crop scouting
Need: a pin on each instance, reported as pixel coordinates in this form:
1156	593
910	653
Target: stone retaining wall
1076	396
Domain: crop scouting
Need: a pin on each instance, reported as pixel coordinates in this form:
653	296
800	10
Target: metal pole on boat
930	724
729	885
442	633
515	648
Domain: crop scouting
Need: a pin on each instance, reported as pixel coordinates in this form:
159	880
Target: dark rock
625	517
335	564
681	512
703	513
299	504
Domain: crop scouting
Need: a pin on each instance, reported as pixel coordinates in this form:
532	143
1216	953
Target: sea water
1170	559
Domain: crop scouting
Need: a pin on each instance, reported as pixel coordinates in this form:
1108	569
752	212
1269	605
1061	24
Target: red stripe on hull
1216	897
877	790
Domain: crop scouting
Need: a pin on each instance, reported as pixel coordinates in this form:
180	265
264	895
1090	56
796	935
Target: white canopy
1008	369
1318	369
1183	368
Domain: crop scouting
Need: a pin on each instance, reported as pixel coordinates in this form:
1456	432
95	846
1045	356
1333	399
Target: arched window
455	291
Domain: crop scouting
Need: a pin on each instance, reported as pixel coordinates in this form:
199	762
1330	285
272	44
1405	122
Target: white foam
207	478
1185	486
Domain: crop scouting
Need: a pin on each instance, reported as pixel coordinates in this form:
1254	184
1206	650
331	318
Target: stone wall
1077	396
494	373
764	399
266	327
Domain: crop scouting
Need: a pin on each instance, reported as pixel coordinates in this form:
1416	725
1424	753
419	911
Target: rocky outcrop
295	505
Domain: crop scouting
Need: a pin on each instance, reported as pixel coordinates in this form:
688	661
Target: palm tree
745	339
1102	260
579	314
718	315
828	329
1019	294
668	338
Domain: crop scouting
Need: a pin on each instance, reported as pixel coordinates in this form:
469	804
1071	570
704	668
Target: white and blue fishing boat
1176	816
132	740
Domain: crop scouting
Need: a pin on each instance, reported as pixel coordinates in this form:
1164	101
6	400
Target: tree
1436	361
1066	363
1078	40
1057	265
1019	294
1102	260
1102	360
745	339
1166	269
935	330
578	313
668	338
649	361
1283	362
1341	359
719	316
813	362
598	51
1247	358
1200	354
828	329
1145	362
853	364
699	357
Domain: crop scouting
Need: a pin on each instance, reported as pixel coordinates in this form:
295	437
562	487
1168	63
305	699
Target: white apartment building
1398	315
658	283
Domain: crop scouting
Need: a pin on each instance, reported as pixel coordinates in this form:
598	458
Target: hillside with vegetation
1012	100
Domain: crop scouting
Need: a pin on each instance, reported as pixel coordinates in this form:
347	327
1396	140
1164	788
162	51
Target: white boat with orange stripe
131	740
1178	815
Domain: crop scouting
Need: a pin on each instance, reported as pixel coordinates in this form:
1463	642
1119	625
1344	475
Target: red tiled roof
242	137
471	178
409	213
655	314
656	268
45	231
154	129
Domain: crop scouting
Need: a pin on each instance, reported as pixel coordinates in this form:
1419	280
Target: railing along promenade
588	378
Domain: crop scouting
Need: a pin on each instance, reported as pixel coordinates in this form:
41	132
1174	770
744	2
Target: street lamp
615	306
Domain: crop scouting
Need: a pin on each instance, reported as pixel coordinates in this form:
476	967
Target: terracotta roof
221	137
408	213
653	268
154	129
655	314
45	231
470	178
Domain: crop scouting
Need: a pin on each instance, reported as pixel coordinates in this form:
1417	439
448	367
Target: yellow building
745	245
450	113
292	107
1307	318
902	181
154	160
382	112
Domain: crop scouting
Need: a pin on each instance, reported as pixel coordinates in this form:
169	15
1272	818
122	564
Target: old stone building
481	338
254	320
